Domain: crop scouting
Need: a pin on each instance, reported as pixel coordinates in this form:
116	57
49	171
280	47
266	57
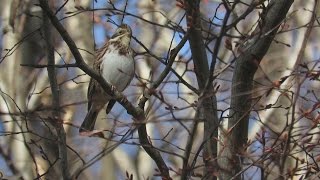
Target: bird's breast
117	69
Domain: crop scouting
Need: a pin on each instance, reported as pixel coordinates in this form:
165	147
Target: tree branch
56	120
207	105
242	84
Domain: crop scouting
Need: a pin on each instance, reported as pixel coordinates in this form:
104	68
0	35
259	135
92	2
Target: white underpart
117	69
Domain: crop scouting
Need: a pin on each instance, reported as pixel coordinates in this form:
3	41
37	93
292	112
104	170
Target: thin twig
57	123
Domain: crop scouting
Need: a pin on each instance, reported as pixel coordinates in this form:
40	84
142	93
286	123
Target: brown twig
56	117
298	87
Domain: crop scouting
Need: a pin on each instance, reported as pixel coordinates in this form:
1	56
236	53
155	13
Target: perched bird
114	61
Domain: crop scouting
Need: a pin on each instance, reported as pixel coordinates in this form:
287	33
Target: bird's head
122	34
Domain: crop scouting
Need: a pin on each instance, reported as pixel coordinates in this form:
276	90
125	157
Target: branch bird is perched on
114	62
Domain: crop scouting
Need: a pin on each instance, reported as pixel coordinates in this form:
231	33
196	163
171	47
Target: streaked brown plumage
114	62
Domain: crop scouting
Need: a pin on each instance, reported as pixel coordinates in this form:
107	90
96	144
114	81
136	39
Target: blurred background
286	86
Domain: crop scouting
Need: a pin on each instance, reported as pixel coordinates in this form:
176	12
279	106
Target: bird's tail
89	121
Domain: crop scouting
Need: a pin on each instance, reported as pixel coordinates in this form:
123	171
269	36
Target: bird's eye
121	31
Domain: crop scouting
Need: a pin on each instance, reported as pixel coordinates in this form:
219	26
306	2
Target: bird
115	63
